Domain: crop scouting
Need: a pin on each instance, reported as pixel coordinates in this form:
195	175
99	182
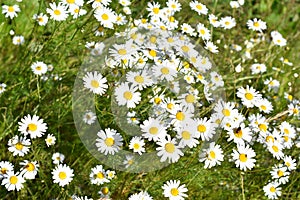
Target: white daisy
205	128
140	79
89	117
2	87
98	175
213	20
203	32
10	11
62	174
32	126
137	145
199	7
290	163
280	173
258	68
212	156
227	22
50	140
165	70
58	158
19	146
13	181
127	95
187	135
168	149
95	82
278	39
77	11
41	19
243	157
264	105
99	3
248	96
18	40
39	68
256	24
272	190
106	16
211	47
57	12
5	167
153	129
109	141
174	191
29	169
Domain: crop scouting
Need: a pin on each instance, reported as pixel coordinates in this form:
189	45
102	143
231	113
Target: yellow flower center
186	135
122	52
280	173
226	112
185	48
11	9
263	127
70	1
287	164
272	189
139	79
199	7
95	84
202	31
127	95
19	146
76	10
249	96
256	24
227	23
170	40
105	16
62	175
105	190
286	138
153	39
238	133
136	146
13	180
100	175
174	192
109	141
30	167
243	157
263	107
170	106
31	127
153	130
212	155
155	10
152	53
286	131
270	138
190	98
3	170
180	116
275	148
201	128
169	147
57	12
164	70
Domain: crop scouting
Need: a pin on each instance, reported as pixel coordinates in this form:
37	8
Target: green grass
62	45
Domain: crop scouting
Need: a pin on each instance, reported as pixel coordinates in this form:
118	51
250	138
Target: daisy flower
109	141
278	39
72	3
189	100
276	149
13	181
18	40
29	169
258	68
142	195
58	158
272	190
264	105
125	2
32	126
286	61
5	167
216	79
99	3
280	173
128	161
139	79
2	87
127	95
104	193
174	5
154	9
89	117
174	191
62	174
256	25
180	115
106	16
248	96
57	12
77	11
203	32
10	11
39	68
122	52
243	157
213	20
95	82
199	7
290	162
227	22
187	135
19	146
240	134
165	70
168	149
41	19
212	156
205	128
186	28
110	174
153	129
98	175
137	145
211	47
50	140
